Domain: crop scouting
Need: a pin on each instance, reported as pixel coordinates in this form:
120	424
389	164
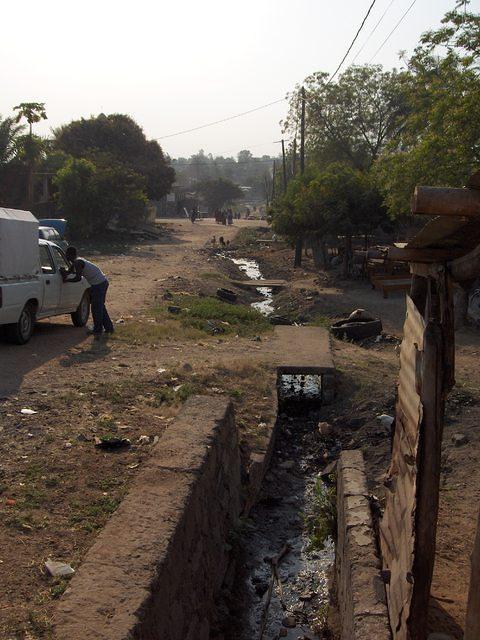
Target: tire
82	313
226	295
21	331
356	330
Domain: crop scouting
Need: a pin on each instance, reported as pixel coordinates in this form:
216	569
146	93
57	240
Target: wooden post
284	162
294	156
472	624
273	180
302	133
299	243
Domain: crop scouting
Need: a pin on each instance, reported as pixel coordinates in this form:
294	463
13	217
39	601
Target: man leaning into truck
98	289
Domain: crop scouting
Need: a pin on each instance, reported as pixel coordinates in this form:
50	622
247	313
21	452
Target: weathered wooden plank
268	284
424	255
472	624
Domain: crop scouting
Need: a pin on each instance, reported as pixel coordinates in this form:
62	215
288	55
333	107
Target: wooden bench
391	283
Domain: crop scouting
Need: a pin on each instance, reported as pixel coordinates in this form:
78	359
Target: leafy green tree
335	201
93	195
32	145
439	143
350	120
123	139
219	192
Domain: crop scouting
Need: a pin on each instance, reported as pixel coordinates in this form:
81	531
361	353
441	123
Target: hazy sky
176	65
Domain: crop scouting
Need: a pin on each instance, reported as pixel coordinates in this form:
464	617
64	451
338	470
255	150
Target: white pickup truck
36	290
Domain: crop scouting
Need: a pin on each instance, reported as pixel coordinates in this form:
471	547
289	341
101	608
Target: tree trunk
317	253
460	305
347	257
326	263
298	252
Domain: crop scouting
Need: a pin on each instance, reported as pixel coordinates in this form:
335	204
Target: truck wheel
21	331
82	313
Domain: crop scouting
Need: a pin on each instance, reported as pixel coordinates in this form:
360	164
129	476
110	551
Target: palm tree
32	112
9	131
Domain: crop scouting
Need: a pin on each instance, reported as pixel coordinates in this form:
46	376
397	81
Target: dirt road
133	278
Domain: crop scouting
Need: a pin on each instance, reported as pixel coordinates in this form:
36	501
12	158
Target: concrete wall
360	589
154	570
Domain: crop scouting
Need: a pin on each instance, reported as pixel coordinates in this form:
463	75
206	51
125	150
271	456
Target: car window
46	260
60	258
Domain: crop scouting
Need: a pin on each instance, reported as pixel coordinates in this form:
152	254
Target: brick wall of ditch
360	590
154	570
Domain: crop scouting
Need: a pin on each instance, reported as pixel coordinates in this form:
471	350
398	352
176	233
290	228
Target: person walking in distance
98	290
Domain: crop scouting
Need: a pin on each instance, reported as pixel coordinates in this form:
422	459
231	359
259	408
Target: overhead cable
210	124
353	42
373	31
392	32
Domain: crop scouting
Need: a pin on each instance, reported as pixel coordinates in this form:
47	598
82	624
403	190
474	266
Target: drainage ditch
252	270
284	550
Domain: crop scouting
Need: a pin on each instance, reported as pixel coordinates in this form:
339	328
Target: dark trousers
101	319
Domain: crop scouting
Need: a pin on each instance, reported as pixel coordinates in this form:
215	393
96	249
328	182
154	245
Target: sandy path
133	278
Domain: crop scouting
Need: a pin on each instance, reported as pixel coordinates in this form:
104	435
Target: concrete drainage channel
200	551
284	552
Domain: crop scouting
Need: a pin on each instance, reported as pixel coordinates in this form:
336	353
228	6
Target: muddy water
279	519
252	270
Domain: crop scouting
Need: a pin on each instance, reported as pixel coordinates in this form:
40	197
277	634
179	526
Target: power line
210	124
373	31
392	32
353	42
269	104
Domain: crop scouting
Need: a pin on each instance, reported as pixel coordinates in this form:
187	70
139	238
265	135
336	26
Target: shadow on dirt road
49	341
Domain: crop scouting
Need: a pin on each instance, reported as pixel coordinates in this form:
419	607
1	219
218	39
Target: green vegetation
373	135
321	523
198	317
219	192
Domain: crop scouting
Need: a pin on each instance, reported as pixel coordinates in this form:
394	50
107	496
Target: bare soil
57	488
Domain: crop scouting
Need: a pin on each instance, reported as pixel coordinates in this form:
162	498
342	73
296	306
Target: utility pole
284	161
273	181
302	134
297	262
294	157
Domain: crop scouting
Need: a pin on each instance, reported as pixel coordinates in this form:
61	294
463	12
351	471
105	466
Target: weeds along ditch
284	550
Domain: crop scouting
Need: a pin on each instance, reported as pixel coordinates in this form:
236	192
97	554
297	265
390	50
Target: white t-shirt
92	274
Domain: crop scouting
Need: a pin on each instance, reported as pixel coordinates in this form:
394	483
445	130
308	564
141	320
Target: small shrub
321	523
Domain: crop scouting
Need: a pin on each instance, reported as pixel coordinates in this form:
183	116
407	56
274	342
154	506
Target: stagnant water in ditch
252	270
282	520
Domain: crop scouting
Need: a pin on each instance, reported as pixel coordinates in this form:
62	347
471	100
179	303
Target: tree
439	143
93	195
9	132
123	139
350	120
335	201
32	112
219	192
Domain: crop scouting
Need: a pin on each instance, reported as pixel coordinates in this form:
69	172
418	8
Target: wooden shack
445	254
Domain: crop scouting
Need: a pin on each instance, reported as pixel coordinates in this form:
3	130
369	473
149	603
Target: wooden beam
443	201
467	267
423	255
